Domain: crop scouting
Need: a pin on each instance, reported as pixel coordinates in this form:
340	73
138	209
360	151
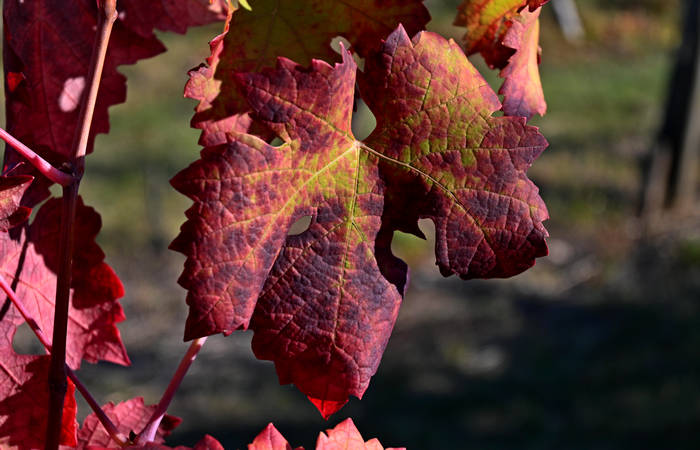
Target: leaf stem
114	433
107	14
148	433
118	437
43	166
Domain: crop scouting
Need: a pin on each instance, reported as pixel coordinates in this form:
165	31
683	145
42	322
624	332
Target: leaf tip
327	407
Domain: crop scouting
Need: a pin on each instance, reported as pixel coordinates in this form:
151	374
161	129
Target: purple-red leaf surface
29	263
28	259
323	303
24	396
299	30
46	56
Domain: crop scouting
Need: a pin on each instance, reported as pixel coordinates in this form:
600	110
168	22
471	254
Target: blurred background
593	348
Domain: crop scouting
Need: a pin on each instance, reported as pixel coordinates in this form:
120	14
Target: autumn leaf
487	23
323	303
11	190
47	53
129	416
29	263
270	439
506	33
24	396
344	436
206	443
522	88
275	29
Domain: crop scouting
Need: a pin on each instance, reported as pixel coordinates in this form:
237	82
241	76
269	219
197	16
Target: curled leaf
522	88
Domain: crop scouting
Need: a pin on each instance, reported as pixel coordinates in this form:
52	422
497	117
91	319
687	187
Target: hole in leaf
299	226
276	142
412	249
335	43
363	120
26	343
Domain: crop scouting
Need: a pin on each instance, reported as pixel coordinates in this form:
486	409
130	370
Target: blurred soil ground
593	348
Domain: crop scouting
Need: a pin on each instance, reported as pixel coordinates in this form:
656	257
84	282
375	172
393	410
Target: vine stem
43	166
118	437
107	15
148	433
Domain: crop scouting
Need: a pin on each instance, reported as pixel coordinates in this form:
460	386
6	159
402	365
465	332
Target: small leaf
343	437
488	22
11	190
270	439
128	416
522	88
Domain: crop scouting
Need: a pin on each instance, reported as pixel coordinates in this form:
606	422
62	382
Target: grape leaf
11	190
24	396
506	33
270	439
46	57
323	303
344	436
128	416
275	28
206	443
488	22
522	88
29	264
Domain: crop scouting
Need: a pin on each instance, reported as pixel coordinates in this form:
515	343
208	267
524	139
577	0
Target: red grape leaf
128	416
24	391
270	439
46	57
522	88
275	28
344	436
323	303
206	443
11	190
24	396
488	22
28	262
